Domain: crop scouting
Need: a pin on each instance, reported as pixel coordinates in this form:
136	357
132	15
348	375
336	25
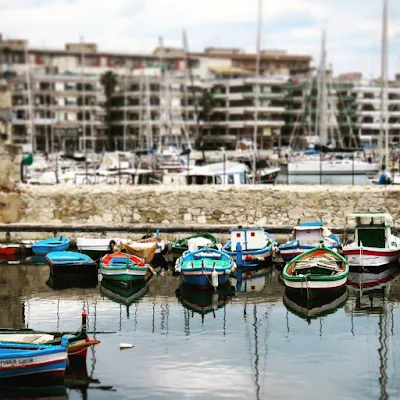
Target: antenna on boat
257	93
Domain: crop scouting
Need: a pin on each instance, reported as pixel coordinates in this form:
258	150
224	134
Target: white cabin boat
374	244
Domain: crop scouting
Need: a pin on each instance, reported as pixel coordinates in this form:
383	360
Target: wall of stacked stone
166	205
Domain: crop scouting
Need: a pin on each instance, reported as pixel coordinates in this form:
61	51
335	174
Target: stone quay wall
262	205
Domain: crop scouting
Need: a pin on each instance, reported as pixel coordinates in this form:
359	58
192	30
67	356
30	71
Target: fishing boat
194	242
308	235
9	249
319	268
311	307
205	268
69	264
123	268
97	248
256	246
42	247
78	342
150	248
32	362
374	244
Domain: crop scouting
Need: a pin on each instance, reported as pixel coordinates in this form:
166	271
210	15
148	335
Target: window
231	179
218	180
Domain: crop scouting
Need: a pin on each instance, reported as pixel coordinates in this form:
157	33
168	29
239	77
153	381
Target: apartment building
5	113
58	101
236	111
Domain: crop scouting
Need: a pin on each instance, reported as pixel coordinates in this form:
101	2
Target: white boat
225	173
374	244
98	247
343	166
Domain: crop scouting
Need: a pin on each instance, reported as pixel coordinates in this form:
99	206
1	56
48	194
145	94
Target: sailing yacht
336	161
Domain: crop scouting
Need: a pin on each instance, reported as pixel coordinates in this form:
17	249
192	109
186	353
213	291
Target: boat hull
203	280
316	285
73	271
36	364
370	257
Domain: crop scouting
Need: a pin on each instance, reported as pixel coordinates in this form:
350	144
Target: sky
353	26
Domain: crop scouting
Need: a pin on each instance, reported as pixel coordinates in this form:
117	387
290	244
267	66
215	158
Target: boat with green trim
201	240
123	268
319	268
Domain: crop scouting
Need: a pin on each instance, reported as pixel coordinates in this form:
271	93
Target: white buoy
214	278
214	302
99	276
123	346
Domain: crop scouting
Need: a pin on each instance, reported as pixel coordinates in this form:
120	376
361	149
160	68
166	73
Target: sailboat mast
257	94
323	125
125	108
384	128
30	100
83	95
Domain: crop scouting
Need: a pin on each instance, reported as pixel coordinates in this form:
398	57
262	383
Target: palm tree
109	81
207	103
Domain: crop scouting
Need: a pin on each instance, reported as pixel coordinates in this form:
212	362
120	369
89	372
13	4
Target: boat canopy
369	219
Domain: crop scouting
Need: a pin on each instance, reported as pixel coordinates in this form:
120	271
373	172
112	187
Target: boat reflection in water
319	304
124	295
36	260
203	301
372	290
251	281
59	282
34	392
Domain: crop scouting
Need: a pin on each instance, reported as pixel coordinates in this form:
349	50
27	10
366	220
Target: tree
207	103
109	81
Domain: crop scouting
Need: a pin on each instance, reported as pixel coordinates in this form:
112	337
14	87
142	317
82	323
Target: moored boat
42	247
374	244
28	362
123	268
9	249
308	235
71	265
201	240
96	248
205	267
256	246
78	342
146	248
319	268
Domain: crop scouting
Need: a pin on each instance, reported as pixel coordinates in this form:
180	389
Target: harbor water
252	340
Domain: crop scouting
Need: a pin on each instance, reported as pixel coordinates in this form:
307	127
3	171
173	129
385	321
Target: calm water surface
255	343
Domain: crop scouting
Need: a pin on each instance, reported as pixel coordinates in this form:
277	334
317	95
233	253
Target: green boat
179	246
123	269
319	268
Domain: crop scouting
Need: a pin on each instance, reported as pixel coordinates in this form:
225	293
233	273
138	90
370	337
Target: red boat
9	249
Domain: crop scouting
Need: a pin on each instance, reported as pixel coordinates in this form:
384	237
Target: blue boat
71	265
42	247
26	362
307	236
256	246
205	268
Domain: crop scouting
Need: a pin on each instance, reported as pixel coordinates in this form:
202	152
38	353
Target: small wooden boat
97	248
374	243
319	268
42	247
307	236
256	246
145	248
71	265
78	342
205	268
9	249
202	240
32	362
123	268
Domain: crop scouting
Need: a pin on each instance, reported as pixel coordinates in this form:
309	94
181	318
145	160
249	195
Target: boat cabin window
372	237
370	221
231	179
